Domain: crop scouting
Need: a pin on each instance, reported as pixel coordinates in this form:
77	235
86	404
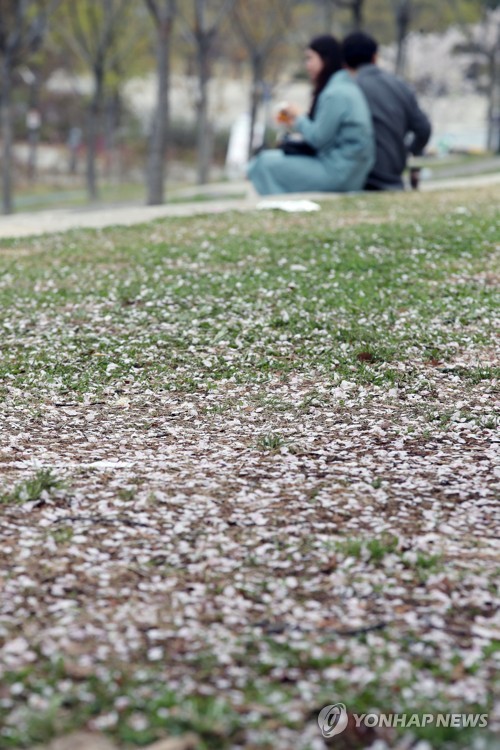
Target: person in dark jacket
401	128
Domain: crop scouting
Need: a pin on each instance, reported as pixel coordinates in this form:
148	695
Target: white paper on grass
290	206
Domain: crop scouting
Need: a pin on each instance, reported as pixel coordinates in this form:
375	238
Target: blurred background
118	101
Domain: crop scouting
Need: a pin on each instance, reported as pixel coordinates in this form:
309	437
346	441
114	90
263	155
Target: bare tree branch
153	9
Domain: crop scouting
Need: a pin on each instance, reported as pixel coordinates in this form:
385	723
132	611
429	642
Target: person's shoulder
374	75
369	70
392	78
340	91
342	76
339	81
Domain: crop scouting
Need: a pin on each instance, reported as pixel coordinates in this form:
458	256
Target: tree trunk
357	14
158	140
493	143
34	127
33	139
328	15
356	8
93	130
403	19
255	96
6	135
113	110
204	134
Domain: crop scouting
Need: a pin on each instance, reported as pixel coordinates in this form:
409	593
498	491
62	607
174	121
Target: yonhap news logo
333	720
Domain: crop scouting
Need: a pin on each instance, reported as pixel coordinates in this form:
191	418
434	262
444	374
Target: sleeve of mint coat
330	114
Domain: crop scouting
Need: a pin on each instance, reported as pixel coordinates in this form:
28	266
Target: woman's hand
287	114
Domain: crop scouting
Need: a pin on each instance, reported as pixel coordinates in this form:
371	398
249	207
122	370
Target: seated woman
338	127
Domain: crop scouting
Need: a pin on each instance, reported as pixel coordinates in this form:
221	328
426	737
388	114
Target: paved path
484	166
63	220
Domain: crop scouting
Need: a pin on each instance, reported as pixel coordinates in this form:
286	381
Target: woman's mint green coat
341	132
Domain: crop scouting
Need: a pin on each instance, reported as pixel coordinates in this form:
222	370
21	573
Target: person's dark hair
358	49
328	48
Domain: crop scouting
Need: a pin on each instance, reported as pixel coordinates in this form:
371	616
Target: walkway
63	220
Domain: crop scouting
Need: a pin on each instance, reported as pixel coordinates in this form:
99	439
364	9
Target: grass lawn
247	470
43	196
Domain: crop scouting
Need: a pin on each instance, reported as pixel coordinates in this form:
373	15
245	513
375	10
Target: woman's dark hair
328	48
